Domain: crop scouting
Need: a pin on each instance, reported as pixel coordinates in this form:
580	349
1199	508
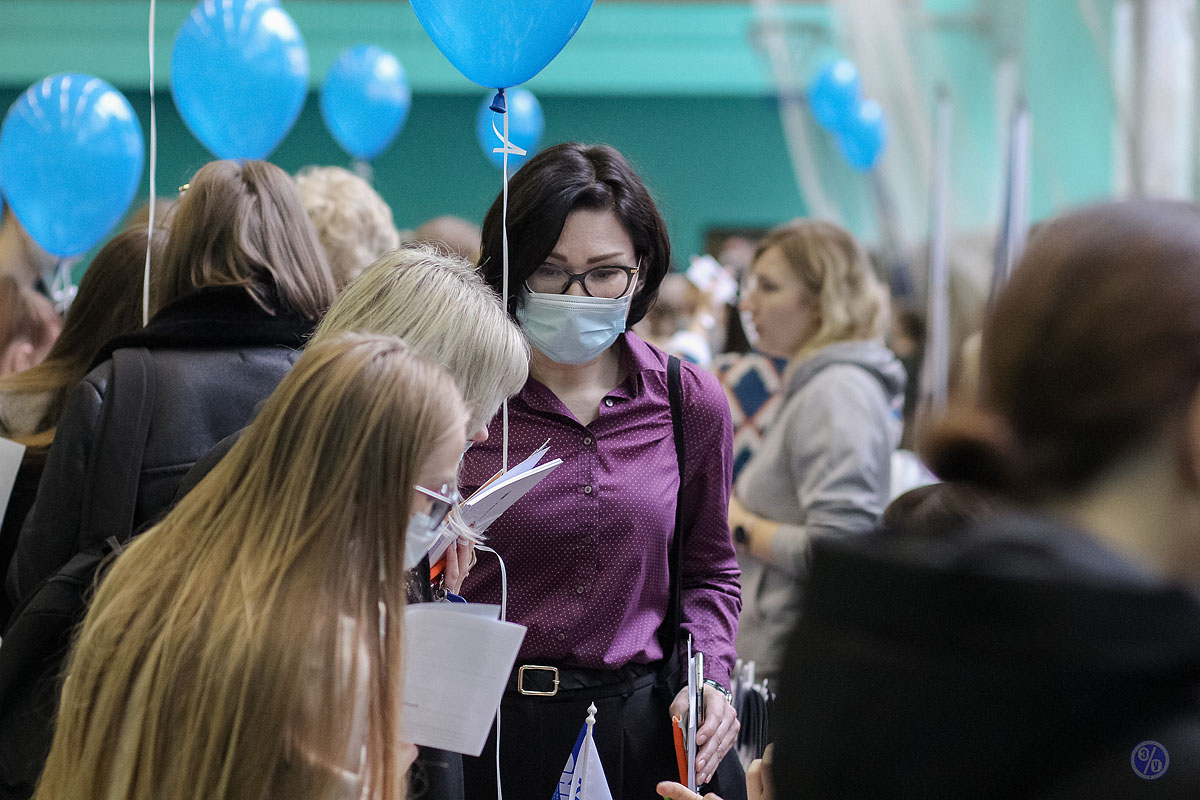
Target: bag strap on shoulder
115	463
674	618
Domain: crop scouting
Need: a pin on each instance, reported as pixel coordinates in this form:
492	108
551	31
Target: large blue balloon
526	124
365	100
863	140
833	94
239	75
71	159
500	43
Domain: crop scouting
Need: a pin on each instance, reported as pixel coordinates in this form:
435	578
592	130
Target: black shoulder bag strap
115	466
671	629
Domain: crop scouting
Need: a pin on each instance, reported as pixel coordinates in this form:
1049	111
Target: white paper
495	497
11	454
484	507
456	663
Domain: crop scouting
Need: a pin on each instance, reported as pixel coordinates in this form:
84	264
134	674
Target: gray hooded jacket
824	468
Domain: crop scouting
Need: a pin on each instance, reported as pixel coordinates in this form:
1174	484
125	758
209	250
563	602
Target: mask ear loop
500	106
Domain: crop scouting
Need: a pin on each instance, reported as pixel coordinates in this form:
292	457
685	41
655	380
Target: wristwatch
728	694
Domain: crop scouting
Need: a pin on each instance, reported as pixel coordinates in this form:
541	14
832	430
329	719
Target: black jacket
212	357
1019	658
216	357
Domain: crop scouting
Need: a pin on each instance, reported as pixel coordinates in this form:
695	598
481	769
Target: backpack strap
670	632
115	464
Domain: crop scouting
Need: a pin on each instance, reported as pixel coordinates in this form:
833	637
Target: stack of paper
457	659
495	497
11	454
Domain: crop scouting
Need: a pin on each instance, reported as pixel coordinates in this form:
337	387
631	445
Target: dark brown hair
1093	347
109	303
242	224
550	186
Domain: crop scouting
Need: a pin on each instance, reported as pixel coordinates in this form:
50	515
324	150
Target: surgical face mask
421	535
570	329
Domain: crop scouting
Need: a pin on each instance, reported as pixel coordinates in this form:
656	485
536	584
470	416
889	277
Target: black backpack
39	634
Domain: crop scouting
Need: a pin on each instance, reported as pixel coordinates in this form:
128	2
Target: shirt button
608	402
580	589
587	490
560	636
587	440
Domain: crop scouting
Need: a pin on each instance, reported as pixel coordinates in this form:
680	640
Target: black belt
549	680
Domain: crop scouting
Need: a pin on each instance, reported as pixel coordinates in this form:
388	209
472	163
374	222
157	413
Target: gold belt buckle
521	681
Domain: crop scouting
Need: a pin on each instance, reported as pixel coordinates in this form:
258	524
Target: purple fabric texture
587	549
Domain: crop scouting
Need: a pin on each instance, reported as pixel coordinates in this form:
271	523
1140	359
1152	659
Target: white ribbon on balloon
153	177
506	147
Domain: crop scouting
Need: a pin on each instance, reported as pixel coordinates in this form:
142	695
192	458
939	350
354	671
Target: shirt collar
638	357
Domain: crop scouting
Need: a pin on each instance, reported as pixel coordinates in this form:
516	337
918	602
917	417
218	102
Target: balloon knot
498	104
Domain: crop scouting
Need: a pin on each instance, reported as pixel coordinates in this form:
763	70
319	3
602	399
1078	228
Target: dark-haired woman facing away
1052	651
242	283
588	551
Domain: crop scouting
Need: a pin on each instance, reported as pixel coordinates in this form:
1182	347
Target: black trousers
633	737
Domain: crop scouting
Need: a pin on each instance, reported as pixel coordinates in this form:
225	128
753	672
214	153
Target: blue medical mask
570	329
421	535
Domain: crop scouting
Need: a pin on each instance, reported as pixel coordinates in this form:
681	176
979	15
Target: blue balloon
71	155
239	76
833	94
500	43
365	100
863	140
526	124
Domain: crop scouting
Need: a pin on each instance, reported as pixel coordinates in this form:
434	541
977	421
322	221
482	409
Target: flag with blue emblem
583	776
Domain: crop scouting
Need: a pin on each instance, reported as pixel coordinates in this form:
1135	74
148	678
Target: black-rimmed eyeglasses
442	503
606	281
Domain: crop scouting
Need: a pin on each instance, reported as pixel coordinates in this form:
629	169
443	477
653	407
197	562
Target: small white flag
583	776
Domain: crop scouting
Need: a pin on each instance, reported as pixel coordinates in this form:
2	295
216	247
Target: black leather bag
38	638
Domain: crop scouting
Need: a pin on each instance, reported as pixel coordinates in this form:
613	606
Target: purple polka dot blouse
587	549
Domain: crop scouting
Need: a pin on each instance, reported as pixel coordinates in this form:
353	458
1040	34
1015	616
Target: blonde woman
824	467
353	222
249	645
425	296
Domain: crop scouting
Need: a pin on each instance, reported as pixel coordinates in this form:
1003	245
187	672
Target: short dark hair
551	185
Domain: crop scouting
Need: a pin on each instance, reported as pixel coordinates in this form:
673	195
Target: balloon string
153	178
505	148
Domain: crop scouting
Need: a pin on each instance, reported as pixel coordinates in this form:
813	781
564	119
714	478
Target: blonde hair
835	269
213	661
442	307
353	222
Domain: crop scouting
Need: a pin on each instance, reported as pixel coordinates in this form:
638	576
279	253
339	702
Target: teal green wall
707	161
682	88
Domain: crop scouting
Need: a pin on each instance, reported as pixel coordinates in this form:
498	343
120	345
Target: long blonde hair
215	636
835	269
440	304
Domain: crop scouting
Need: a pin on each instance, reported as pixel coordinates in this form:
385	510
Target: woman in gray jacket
824	467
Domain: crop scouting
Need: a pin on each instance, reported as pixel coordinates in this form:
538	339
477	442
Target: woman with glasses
588	552
250	645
